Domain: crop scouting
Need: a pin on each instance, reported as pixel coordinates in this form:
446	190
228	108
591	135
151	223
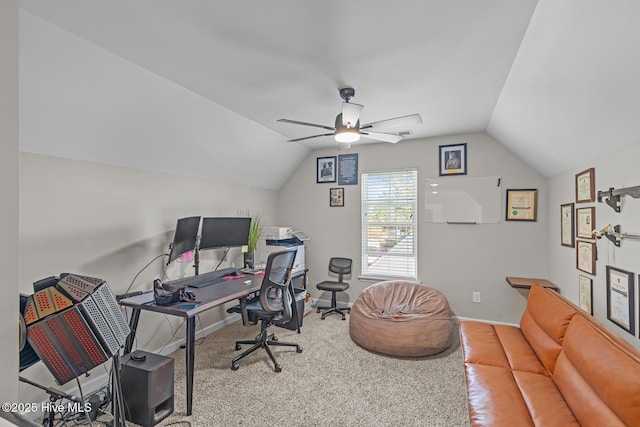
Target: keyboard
200	281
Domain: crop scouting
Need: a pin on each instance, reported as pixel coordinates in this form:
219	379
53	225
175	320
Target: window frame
411	272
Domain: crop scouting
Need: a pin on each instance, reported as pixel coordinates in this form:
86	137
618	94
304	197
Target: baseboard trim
471	319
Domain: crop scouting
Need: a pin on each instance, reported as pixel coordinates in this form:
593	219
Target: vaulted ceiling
554	82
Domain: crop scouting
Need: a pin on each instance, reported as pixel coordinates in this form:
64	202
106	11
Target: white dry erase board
463	200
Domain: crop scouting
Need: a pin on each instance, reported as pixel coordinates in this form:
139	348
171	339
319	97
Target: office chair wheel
343	318
318	310
274	338
299	349
277	368
238	347
234	367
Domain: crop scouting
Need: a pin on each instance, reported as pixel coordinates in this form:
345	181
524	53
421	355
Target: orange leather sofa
559	368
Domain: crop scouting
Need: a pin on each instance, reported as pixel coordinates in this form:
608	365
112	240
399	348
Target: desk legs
190	352
190	339
133	325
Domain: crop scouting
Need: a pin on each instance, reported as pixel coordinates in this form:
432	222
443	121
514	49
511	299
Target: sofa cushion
599	376
498	345
545	322
494	397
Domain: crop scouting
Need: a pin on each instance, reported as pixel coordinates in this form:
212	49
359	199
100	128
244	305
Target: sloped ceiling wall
195	88
573	93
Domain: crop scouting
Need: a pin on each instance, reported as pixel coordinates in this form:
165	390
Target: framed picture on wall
453	159
585	221
586	186
585	293
522	205
326	169
621	299
566	225
336	197
586	257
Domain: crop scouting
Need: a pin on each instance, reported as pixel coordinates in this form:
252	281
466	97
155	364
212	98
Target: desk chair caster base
264	341
333	310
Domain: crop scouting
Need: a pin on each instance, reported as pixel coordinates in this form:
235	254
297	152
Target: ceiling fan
347	127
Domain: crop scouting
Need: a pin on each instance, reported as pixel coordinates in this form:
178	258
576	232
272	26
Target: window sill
384	278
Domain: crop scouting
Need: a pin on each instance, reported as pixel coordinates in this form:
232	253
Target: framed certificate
586	219
522	205
586	257
586	186
566	225
585	293
621	299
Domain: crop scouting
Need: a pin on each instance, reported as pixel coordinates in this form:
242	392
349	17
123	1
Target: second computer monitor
223	232
185	236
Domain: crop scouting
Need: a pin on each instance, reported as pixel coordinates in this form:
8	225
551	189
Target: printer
274	239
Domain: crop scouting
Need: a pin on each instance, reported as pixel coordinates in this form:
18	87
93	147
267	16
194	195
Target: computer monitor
185	237
224	232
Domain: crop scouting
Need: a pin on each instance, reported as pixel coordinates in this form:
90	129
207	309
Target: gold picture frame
586	186
522	205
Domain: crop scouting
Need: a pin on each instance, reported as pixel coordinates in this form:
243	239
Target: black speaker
147	387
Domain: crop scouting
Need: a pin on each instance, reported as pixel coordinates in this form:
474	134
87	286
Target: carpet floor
332	382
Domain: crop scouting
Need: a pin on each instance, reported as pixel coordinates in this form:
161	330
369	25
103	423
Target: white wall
109	222
80	101
9	193
456	259
617	170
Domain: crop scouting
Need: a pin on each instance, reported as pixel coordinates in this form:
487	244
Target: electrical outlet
476	297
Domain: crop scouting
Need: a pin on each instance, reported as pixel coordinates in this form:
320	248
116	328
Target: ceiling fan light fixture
347	135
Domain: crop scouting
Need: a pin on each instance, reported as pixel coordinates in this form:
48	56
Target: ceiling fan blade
395	123
351	113
386	137
296	122
309	137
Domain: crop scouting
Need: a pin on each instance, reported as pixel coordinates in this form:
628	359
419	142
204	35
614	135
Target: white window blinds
389	224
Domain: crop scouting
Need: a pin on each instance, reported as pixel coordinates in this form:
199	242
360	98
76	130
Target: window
389	224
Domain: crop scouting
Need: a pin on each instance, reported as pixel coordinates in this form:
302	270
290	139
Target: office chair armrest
244	312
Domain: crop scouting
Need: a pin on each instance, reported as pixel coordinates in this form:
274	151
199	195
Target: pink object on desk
239	276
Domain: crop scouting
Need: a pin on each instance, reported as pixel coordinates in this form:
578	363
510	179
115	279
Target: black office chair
341	267
274	306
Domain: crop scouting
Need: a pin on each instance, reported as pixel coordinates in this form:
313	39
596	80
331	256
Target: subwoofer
147	387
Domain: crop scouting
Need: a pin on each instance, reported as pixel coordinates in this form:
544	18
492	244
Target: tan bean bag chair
401	318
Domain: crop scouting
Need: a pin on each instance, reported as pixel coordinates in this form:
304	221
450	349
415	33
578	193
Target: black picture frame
325	169
453	159
621	299
567	238
521	205
336	197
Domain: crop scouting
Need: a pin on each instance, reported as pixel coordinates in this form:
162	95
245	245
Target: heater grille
71	337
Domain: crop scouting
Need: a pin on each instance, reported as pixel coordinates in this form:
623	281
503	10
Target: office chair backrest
340	266
276	290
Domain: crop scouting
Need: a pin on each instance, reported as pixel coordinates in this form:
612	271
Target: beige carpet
332	382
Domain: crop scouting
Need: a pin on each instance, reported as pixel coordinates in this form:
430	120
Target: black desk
207	297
